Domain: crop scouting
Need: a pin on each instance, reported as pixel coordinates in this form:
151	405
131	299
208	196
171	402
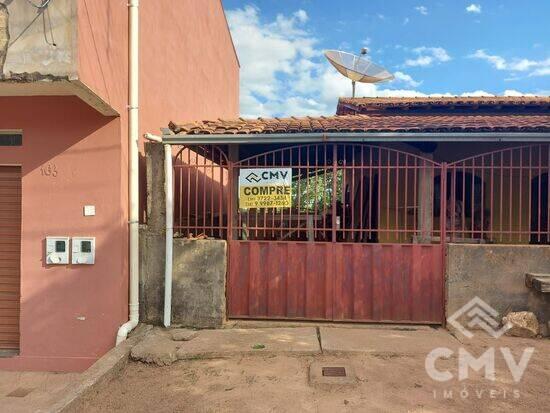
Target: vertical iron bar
352	194
406	201
530	187
443	232
397	170
334	191
539	197
520	210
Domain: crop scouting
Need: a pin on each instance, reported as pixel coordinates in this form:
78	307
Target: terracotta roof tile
459	114
466	103
372	123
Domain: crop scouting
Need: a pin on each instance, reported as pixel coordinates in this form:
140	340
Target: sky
441	47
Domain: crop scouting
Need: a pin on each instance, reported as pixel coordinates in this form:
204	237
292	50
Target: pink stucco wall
84	148
188	66
189	70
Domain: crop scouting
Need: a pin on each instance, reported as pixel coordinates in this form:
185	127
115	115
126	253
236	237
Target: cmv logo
484	316
252	177
267	175
480	315
467	361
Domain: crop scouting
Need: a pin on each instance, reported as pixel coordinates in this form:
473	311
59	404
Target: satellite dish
357	68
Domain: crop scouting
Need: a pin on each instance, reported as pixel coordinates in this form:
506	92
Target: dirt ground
279	383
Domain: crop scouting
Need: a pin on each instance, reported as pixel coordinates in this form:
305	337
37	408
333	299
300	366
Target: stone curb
102	370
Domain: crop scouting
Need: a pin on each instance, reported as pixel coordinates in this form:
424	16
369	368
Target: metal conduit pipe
133	165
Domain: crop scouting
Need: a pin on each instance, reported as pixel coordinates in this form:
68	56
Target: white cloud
283	72
474	8
267	50
406	21
426	56
422	10
406	79
517	65
477	93
512	92
301	15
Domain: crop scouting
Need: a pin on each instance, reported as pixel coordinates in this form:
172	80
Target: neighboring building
367	235
64	145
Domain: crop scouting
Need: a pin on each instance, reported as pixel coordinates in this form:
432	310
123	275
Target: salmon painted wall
188	70
188	66
66	135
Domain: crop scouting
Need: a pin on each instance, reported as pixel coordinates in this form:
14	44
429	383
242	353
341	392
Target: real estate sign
265	188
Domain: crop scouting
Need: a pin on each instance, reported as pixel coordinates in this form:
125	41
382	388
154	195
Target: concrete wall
70	158
496	274
30	52
198	295
199	266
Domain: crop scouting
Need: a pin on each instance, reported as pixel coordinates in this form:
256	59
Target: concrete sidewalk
160	347
39	392
402	341
23	392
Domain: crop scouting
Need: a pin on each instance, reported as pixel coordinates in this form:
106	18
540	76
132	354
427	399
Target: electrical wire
40	6
51	41
43	7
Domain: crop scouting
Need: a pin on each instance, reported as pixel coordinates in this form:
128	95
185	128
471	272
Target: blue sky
433	47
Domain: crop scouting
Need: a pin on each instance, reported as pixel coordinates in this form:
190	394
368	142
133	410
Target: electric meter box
83	250
57	250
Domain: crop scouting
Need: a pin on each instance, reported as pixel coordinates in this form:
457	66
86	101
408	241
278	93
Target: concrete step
538	282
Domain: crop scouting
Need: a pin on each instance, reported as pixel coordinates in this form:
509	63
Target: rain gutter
267	138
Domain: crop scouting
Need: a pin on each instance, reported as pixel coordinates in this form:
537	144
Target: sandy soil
280	383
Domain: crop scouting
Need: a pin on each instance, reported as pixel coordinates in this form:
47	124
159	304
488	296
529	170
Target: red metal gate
336	281
365	237
361	242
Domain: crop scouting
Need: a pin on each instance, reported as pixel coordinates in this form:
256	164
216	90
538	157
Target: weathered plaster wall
199	266
496	274
152	239
52	52
70	158
198	286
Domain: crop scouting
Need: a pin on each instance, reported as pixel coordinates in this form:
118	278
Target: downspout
169	196
133	165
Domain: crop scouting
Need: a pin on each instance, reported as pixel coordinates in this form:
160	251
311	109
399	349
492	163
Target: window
11	138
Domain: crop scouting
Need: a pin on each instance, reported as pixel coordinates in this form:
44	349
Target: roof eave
268	138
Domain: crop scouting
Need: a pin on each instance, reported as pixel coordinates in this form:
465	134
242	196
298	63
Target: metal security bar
369	194
500	196
346	193
201	179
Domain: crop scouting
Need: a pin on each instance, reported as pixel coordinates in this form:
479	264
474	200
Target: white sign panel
265	188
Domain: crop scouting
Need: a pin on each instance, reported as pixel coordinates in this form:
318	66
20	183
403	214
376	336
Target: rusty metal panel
399	283
10	251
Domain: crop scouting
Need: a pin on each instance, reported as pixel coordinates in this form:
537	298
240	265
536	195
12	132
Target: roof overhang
56	86
273	138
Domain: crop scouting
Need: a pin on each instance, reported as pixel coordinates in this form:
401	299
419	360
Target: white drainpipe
133	161
168	188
